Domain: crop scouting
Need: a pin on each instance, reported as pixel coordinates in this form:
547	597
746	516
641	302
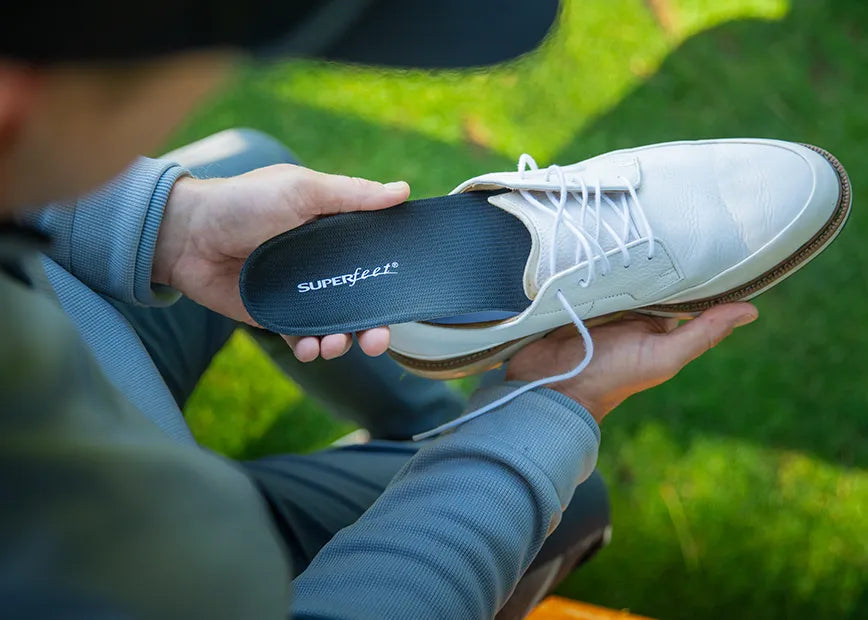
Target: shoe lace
588	249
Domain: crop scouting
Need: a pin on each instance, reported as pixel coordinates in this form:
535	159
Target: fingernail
396	186
745	319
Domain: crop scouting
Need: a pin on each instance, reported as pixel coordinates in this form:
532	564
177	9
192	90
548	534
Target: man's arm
458	526
108	240
145	237
103	515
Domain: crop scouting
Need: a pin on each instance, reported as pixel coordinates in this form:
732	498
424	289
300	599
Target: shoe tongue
541	223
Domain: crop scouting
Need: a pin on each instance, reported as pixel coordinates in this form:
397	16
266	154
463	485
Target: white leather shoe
668	229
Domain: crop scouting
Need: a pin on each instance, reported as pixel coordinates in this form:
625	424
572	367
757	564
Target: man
110	509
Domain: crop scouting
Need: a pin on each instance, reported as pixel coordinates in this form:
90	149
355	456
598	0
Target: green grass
740	488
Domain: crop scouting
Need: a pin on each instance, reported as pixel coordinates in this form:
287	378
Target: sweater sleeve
104	515
107	241
460	523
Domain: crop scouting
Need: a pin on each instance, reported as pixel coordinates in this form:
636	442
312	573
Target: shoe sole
493	357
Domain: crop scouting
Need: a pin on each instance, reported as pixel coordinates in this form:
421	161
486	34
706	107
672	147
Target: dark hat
405	33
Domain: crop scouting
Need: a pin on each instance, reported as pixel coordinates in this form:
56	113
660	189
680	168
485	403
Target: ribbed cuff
144	292
114	233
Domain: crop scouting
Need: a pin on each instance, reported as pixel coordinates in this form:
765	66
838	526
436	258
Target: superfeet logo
350	279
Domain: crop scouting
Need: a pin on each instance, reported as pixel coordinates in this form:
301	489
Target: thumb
687	342
328	194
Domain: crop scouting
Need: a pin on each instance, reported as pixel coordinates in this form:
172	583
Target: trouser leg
369	390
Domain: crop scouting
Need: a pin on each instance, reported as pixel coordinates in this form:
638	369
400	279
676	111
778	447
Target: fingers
373	342
306	349
334	345
695	337
668	324
567	332
327	194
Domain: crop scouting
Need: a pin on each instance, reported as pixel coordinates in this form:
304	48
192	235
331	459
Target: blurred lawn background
739	489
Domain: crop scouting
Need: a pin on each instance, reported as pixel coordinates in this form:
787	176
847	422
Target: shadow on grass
342	144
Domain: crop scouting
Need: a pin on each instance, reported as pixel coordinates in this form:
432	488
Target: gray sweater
110	505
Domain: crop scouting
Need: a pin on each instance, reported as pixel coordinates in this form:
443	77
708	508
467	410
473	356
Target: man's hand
211	226
630	355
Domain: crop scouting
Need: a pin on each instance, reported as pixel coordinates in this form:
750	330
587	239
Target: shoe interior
453	256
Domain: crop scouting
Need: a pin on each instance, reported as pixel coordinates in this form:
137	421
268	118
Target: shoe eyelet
650	258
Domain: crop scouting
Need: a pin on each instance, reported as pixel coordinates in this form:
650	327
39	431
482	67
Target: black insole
422	260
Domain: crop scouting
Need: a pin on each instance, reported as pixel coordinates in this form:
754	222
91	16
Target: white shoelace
588	248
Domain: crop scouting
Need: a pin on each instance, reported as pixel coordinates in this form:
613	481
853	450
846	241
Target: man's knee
583	530
231	152
586	519
267	146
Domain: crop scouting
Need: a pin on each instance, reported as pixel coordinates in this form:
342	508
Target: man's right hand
632	354
211	226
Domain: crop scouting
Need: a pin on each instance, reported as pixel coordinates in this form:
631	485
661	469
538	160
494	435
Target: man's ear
18	90
19	87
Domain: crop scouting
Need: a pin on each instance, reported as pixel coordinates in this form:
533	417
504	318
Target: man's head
85	87
65	128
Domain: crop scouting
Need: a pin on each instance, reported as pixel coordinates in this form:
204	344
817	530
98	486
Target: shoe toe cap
801	193
747	206
769	187
771	198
